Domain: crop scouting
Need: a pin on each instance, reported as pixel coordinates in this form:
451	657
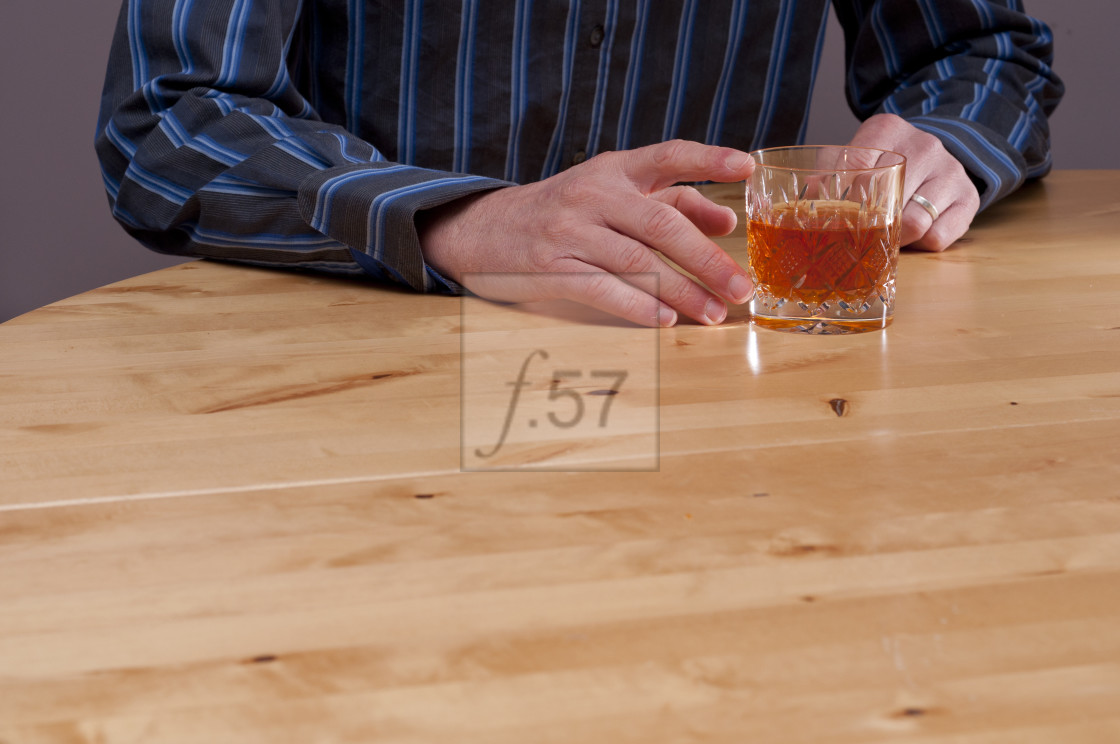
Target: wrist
442	235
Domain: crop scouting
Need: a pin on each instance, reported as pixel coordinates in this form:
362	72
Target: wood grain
232	510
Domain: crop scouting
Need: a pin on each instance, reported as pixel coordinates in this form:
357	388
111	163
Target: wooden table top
243	505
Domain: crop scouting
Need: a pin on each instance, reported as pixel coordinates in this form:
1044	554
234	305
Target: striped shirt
309	133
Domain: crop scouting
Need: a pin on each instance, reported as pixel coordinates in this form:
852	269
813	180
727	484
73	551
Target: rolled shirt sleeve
975	73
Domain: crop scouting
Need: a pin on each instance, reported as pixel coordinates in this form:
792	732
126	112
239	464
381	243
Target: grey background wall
57	236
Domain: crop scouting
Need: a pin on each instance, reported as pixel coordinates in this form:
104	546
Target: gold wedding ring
927	205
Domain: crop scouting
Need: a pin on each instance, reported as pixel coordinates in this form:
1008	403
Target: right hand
572	235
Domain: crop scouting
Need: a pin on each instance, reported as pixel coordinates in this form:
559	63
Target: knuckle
661	223
929	145
630	305
678	291
880	124
669	152
572	191
938	237
597	287
551	259
709	262
556	237
972	200
888	119
914	227
633	259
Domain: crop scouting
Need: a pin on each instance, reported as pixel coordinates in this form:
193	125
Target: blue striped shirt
310	133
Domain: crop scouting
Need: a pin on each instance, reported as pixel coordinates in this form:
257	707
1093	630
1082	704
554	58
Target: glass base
825	319
818	326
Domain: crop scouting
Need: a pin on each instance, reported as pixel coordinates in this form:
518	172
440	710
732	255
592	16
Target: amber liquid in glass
816	256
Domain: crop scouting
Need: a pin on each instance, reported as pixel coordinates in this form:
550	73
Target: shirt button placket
594	40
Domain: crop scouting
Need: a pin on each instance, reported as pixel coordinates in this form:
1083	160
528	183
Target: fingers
609	293
580	282
612	294
933	235
654	224
955	209
645	269
709	218
943	182
674	221
659	166
932	172
953	196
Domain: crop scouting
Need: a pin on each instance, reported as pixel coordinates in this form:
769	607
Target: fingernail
740	288
715	311
737	161
666	316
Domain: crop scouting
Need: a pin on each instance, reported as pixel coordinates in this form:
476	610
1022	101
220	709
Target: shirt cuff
371	207
994	165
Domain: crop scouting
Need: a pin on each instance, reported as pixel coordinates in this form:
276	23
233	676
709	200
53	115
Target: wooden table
235	506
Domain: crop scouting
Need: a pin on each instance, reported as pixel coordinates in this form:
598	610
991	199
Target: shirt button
596	37
579	157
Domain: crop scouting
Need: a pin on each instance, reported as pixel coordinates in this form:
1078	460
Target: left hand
930	171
